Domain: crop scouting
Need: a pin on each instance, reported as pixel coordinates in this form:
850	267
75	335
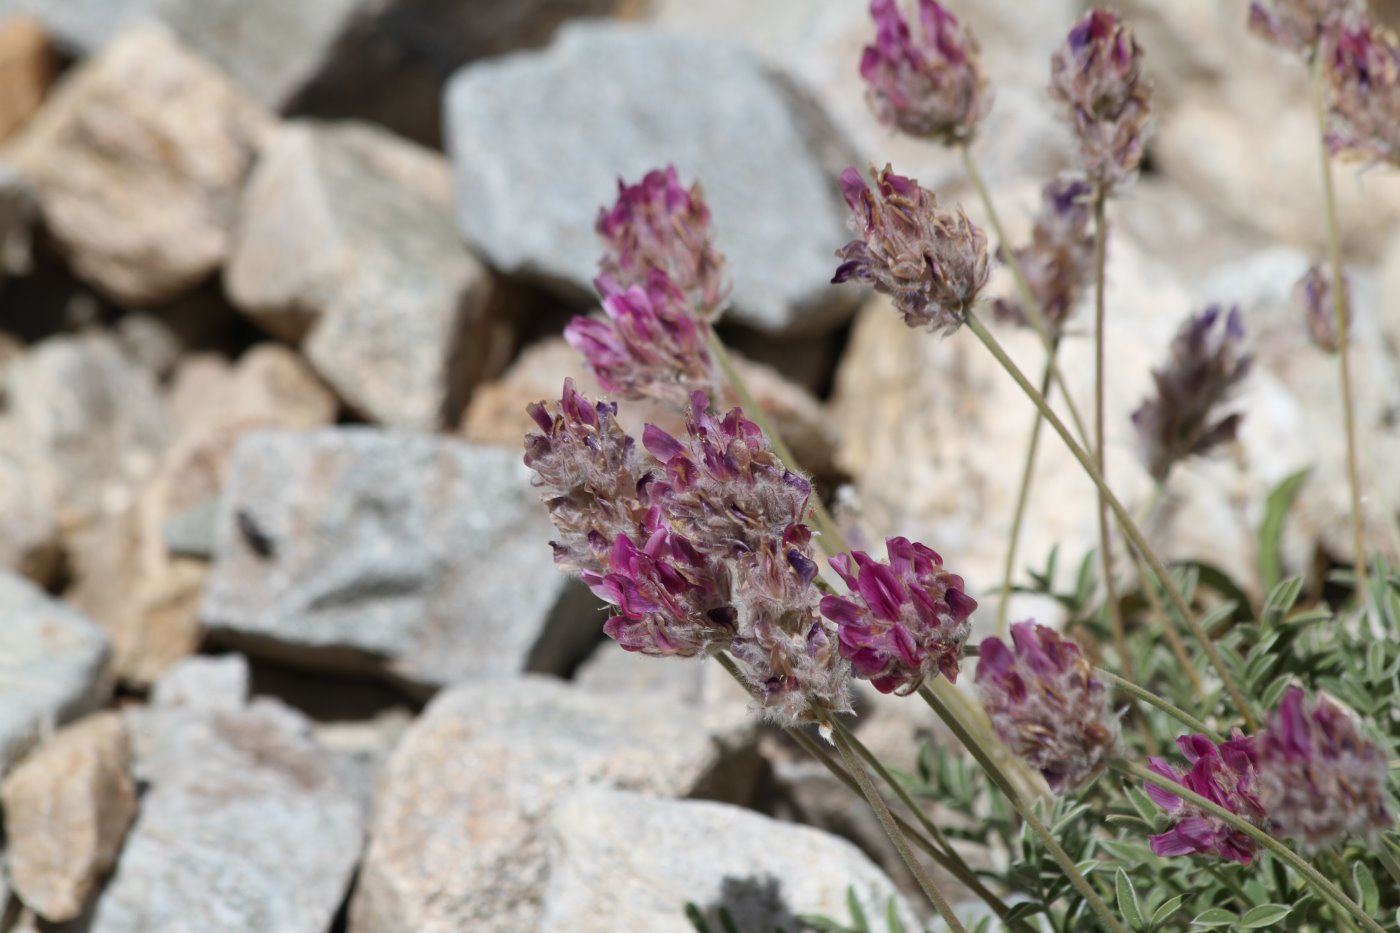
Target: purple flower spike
926	82
1322	781
589	475
1298	25
725	489
1096	75
1228	776
931	262
1047	706
658	224
650	346
1058	260
1207	362
1313	294
1362	66
908	620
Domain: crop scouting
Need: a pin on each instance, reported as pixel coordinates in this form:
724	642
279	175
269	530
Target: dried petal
1362	68
1060	257
1313	294
1297	25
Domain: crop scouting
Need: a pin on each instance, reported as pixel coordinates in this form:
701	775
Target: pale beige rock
126	576
67	809
28	67
346	237
139	157
496	757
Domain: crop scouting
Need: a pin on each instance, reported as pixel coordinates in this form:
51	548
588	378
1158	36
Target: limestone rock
246	825
19	213
625	861
67	809
423	559
497	756
126	577
27	68
139	157
81	26
53	664
367	265
533	167
701	684
203	682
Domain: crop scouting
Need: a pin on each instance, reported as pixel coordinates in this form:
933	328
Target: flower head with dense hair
931	262
1322	781
592	480
659	224
650	346
1097	76
1059	257
1226	775
1313	294
908	619
1047	706
1297	25
1362	67
926	82
1207	362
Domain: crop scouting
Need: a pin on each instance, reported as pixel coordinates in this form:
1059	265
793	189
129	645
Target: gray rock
202	682
53	665
625	861
150	343
82	26
701	684
19	211
368	266
139	158
247	825
421	558
67	809
537	152
458	836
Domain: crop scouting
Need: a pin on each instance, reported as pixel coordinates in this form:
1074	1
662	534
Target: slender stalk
1115	611
877	803
1057	852
1152	699
1168	626
1130	528
1022	497
1023	289
1339	306
1311	875
1388	860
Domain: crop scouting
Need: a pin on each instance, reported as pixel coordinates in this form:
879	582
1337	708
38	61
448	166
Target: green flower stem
882	812
1312	876
1130	528
1388	860
1023	289
1056	851
1339	305
1115	611
829	537
1152	699
1022	497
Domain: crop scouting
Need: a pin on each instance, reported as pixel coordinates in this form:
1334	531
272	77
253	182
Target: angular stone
67	809
53	664
767	160
622	860
420	558
497	756
247	825
81	26
19	214
367	265
27	68
126	578
702	684
203	682
139	157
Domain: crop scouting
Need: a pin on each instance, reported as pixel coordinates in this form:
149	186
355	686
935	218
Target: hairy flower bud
1097	76
1297	25
1362	68
1313	294
658	224
1321	780
1228	776
1206	363
931	262
928	84
725	489
587	468
1060	256
1047	706
908	621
